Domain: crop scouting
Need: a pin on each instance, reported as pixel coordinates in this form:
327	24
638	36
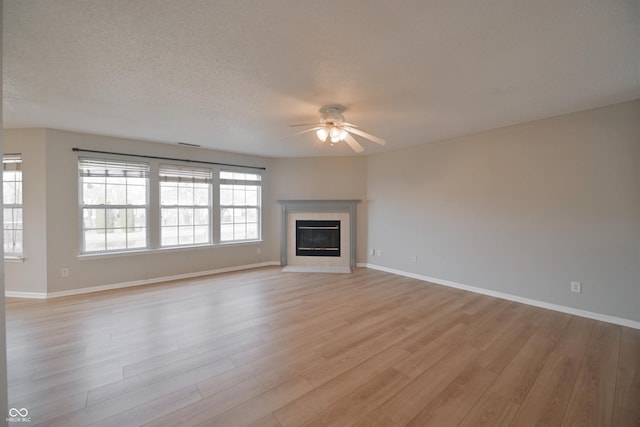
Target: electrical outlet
378	252
372	252
576	287
64	272
414	259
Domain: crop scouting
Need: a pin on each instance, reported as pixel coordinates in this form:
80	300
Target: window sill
238	243
101	255
13	259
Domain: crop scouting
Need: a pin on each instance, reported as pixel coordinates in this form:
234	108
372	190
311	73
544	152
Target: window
185	205
12	199
239	206
114	205
129	205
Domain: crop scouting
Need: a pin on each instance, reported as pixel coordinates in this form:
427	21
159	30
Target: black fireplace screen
317	238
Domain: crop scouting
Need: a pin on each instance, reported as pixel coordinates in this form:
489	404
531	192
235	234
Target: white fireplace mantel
296	206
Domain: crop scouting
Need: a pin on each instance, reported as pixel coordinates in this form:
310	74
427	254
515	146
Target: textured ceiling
231	75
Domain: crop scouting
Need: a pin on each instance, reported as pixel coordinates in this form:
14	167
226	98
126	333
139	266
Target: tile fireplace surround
344	210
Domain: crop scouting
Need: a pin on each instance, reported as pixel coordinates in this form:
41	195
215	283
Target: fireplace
317	238
325	232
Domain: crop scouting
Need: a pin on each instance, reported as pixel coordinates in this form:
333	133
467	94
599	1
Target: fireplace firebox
317	238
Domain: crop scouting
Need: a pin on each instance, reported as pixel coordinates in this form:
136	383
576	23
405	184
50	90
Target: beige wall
317	179
30	275
522	210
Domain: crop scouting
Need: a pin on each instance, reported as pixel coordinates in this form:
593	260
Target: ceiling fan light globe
334	133
322	134
343	134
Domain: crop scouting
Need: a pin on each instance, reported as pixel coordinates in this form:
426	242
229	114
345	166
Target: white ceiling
232	74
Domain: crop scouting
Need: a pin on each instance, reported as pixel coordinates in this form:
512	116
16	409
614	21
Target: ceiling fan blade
309	130
349	124
365	135
303	124
355	145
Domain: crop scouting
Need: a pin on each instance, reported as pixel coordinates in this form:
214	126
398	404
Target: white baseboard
19	294
42	295
536	303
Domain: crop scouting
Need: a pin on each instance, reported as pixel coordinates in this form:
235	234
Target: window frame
15	159
258	206
195	175
146	174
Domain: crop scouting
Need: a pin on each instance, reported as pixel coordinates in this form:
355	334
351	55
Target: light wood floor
265	348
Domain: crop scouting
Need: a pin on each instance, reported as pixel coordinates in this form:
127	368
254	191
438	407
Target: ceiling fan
332	127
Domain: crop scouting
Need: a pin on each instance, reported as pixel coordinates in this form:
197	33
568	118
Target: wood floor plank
627	394
547	399
258	407
220	347
592	400
625	417
490	328
409	401
503	399
162	377
55	408
303	361
420	360
432	326
350	337
269	349
506	347
184	360
356	406
106	409
50	390
266	421
250	386
520	375
154	409
341	363
453	403
216	402
375	419
311	404
279	347
492	409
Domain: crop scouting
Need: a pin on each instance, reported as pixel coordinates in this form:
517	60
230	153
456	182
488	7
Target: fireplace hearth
317	238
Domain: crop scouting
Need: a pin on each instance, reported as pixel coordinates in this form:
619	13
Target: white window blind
112	168
172	173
